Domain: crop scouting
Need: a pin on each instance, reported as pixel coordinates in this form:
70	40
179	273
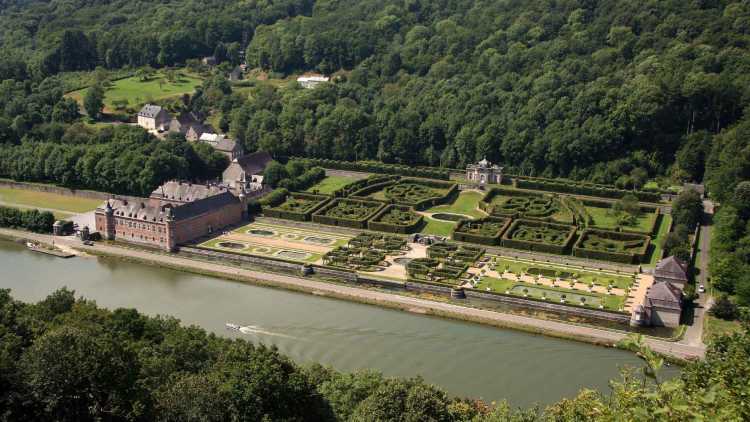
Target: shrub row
463	231
622	257
305	180
274	198
382	168
275	212
32	220
377	224
578	188
360	223
357	186
560	249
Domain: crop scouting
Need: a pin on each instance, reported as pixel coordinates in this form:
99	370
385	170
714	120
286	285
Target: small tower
170	229
109	222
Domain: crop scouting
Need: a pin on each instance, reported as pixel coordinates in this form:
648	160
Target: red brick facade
165	224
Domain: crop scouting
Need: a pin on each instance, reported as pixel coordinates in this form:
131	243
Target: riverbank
674	350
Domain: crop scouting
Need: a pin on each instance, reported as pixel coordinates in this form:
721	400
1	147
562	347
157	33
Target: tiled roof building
175	213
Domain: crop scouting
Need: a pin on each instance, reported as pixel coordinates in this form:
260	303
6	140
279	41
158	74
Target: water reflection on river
465	359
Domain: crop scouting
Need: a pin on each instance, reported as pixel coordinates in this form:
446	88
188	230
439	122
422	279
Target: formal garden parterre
502	216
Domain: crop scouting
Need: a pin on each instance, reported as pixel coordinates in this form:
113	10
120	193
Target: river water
463	358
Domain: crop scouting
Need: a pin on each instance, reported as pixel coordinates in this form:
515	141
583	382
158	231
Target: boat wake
253	329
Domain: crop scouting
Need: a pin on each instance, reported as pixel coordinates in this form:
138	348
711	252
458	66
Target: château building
174	214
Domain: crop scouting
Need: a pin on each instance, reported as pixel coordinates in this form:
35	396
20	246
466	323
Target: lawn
666	220
465	203
438	227
331	184
605	219
587	277
53	201
553	294
137	92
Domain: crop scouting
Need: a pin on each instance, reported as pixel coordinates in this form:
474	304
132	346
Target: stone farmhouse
229	147
153	117
662	305
174	214
182	123
246	173
484	172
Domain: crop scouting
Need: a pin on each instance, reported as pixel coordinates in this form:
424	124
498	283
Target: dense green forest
66	359
611	91
580	88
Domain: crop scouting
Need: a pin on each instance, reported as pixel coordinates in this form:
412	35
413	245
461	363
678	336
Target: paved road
694	333
676	349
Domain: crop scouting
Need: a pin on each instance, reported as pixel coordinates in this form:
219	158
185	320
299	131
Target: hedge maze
417	193
396	219
297	206
445	263
486	231
539	236
519	204
626	248
347	212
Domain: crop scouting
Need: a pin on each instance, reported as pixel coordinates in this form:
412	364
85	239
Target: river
465	359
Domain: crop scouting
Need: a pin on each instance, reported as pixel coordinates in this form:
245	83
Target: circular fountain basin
444	216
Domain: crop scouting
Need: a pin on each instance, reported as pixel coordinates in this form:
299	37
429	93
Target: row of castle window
131	224
153	239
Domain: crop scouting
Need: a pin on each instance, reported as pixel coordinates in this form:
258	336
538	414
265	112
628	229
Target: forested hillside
586	89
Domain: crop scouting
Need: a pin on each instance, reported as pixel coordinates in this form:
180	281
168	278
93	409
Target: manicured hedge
368	208
624	257
377	167
357	187
274	198
376	222
578	188
487	206
317	202
465	230
560	249
32	220
305	180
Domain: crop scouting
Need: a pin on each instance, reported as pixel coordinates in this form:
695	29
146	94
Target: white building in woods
311	81
153	117
484	172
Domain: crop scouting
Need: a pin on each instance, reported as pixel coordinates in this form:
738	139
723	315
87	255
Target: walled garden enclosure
418	193
347	212
297	206
627	248
539	236
486	231
513	203
396	219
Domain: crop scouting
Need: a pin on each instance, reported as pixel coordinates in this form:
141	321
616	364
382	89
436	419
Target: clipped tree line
552	185
31	220
381	168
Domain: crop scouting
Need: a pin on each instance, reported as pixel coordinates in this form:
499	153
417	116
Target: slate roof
175	199
244	167
150	111
142	209
184	192
664	295
182	122
671	267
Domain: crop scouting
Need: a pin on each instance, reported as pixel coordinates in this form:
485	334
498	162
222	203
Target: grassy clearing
331	184
466	203
137	92
605	219
714	327
34	199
